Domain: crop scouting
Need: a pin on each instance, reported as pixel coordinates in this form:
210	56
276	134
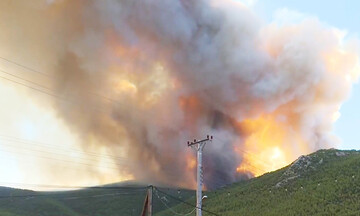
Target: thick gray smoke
143	77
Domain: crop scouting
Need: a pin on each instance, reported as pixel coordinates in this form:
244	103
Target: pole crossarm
199	141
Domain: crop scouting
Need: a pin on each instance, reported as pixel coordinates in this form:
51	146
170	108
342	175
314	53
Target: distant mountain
326	182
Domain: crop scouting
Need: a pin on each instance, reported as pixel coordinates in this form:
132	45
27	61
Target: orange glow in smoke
190	167
192	108
191	162
125	86
266	147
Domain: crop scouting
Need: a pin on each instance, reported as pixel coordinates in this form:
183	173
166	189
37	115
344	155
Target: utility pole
150	200
199	146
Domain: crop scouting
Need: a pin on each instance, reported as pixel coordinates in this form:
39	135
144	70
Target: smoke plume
140	78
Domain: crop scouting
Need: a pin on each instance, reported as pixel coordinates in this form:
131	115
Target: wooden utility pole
147	208
150	200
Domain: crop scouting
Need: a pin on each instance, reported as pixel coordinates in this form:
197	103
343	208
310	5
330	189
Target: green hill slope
326	182
323	183
111	200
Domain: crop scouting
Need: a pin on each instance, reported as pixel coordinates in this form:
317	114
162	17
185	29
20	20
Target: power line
51	94
104	187
63	196
73	101
117	161
49	146
172	210
109	99
42	144
69	167
180	200
25	67
29	81
66	161
59	154
39	90
32	70
98	109
100	195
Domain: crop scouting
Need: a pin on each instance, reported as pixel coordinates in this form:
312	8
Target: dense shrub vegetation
323	183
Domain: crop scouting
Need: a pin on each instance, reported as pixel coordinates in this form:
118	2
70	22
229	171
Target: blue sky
343	15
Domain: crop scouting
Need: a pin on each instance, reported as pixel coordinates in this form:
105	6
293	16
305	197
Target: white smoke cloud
183	69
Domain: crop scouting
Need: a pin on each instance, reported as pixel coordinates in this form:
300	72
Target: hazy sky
343	15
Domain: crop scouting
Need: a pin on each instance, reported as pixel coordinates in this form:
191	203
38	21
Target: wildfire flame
266	146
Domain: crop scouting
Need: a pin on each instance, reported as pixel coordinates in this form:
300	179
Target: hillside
110	200
326	182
